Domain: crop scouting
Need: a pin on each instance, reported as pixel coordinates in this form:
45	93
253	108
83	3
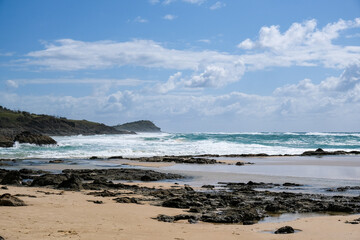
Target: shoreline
72	216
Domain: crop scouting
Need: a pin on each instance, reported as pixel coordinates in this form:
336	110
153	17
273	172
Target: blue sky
188	65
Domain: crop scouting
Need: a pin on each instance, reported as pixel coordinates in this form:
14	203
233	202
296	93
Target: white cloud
44	81
194	1
12	84
217	5
6	54
205	40
330	105
68	54
302	44
169	17
139	19
167	2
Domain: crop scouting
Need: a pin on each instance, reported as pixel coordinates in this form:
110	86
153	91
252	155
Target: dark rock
334	207
192	221
49	179
121	174
104	193
165	218
126	200
33	138
4	187
12	178
96	201
9	200
147	178
188	188
73	183
176	203
6	141
93	157
288	184
116	157
285	230
1	238
208	186
56	161
239	163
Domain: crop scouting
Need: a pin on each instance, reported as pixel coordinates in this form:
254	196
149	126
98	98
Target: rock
176	203
208	186
8	200
56	161
104	193
33	138
73	183
49	179
288	184
147	178
4	188
188	188
96	201
93	158
126	200
1	238
239	163
121	174
165	218
285	230
6	141
12	178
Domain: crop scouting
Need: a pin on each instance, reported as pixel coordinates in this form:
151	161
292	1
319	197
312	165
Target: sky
186	65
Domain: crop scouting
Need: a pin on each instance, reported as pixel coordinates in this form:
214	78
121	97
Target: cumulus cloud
169	17
303	104
302	44
217	5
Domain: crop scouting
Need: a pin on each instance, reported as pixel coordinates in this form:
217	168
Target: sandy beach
71	216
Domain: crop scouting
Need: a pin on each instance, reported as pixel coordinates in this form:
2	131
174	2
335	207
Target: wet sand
71	216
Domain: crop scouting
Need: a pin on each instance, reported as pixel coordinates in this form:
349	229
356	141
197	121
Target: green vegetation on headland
138	126
13	123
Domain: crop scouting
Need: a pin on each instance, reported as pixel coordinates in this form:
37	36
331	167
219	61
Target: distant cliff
14	122
138	126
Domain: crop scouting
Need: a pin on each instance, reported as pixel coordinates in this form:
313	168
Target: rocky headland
138	126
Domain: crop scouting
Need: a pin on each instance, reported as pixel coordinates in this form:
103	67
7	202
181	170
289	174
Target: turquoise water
150	144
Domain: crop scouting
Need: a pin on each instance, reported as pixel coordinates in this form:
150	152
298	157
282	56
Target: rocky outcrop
6	141
33	138
8	200
321	152
139	126
121	174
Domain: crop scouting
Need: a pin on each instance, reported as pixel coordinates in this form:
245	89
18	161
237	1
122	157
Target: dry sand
71	216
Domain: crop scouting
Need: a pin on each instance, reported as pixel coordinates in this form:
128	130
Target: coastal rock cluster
26	137
243	203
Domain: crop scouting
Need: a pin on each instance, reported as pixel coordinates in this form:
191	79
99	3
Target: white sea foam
152	144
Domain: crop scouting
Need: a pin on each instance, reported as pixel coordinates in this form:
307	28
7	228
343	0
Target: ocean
153	144
315	174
